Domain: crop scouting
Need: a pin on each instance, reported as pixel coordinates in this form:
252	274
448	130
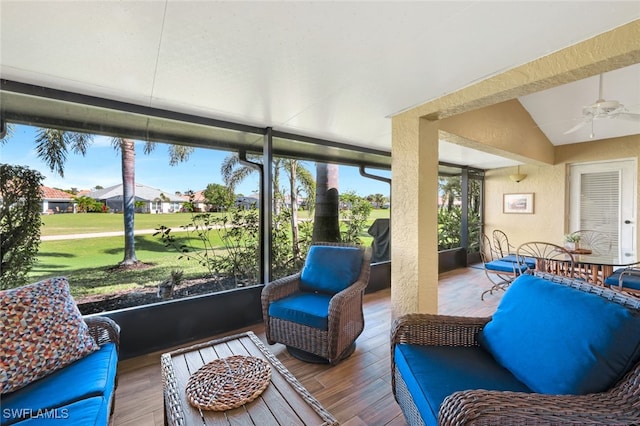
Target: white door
602	197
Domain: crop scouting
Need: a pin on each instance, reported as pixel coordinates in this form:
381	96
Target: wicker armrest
510	408
433	330
103	330
280	288
437	330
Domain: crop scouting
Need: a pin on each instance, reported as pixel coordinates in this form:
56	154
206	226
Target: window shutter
600	203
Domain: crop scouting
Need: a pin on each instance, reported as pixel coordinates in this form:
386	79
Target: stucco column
414	216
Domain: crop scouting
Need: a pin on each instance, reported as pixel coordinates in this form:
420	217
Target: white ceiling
334	70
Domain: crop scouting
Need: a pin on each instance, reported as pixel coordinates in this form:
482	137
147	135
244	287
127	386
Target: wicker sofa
57	366
523	365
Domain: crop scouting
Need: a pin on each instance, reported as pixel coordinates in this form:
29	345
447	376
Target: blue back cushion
560	340
330	269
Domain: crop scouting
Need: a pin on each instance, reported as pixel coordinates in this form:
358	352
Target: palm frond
52	149
179	154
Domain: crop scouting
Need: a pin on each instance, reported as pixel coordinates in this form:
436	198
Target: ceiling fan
603	109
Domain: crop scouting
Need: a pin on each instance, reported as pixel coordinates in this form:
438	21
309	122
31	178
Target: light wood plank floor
357	391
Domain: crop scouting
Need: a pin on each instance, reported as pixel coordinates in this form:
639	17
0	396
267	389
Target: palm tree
128	156
297	173
233	172
52	147
326	226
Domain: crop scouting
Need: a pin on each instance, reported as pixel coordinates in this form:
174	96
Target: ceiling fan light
518	177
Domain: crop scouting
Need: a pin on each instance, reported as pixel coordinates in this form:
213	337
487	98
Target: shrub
20	208
355	218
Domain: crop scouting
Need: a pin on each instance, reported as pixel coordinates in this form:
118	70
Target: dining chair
597	242
499	271
549	257
501	243
626	280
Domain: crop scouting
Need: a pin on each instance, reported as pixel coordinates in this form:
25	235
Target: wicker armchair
619	405
345	319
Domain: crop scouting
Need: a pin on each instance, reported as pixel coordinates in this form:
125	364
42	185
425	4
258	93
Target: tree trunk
294	209
326	226
128	199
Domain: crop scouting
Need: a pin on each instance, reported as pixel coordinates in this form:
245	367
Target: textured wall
414	268
549	183
414	150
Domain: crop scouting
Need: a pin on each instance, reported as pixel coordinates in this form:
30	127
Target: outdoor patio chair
500	271
501	243
626	280
549	258
317	313
597	242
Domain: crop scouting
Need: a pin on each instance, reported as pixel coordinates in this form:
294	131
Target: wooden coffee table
284	401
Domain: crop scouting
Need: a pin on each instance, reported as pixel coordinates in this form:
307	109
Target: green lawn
87	262
82	223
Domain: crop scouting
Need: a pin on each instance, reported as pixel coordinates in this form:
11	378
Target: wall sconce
518	177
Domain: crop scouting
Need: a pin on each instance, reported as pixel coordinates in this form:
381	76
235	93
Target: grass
88	262
83	223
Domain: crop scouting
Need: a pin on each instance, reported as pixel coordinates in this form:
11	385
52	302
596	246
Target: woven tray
227	383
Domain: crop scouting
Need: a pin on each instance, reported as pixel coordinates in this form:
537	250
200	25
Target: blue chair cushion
311	309
93	375
505	266
434	372
628	280
330	269
91	411
529	261
560	340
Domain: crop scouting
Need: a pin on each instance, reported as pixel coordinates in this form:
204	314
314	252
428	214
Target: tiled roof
142	192
54	194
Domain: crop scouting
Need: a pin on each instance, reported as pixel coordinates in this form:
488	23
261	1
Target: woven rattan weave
227	383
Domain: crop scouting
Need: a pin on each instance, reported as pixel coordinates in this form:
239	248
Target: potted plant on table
572	241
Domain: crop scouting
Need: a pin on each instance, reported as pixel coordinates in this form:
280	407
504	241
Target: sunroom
357	85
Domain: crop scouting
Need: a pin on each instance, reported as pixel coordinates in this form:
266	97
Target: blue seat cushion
628	280
330	269
505	266
529	261
560	340
434	372
92	411
93	375
311	309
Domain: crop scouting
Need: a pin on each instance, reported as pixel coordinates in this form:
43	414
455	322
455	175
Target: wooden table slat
295	402
182	375
284	401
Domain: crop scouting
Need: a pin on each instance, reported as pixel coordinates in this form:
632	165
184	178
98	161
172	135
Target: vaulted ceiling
331	70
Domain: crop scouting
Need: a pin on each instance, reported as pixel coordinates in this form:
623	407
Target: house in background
56	201
155	200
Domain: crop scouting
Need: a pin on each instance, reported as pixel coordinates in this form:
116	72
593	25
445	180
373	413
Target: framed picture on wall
521	203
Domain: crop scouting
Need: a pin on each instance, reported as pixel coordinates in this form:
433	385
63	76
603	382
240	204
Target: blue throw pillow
331	269
560	340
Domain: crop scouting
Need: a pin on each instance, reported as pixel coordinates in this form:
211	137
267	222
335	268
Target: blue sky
101	166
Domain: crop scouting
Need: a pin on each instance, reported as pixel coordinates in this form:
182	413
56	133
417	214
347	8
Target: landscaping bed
146	295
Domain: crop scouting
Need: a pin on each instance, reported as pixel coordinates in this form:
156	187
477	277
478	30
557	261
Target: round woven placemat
228	383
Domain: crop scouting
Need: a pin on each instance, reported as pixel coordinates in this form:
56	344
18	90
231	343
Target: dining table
596	267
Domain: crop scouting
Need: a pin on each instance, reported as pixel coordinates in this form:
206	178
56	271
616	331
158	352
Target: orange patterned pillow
41	331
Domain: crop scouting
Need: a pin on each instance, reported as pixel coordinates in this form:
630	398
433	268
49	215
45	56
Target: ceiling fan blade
577	127
628	116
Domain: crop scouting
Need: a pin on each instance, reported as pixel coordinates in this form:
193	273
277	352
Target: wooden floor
357	391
